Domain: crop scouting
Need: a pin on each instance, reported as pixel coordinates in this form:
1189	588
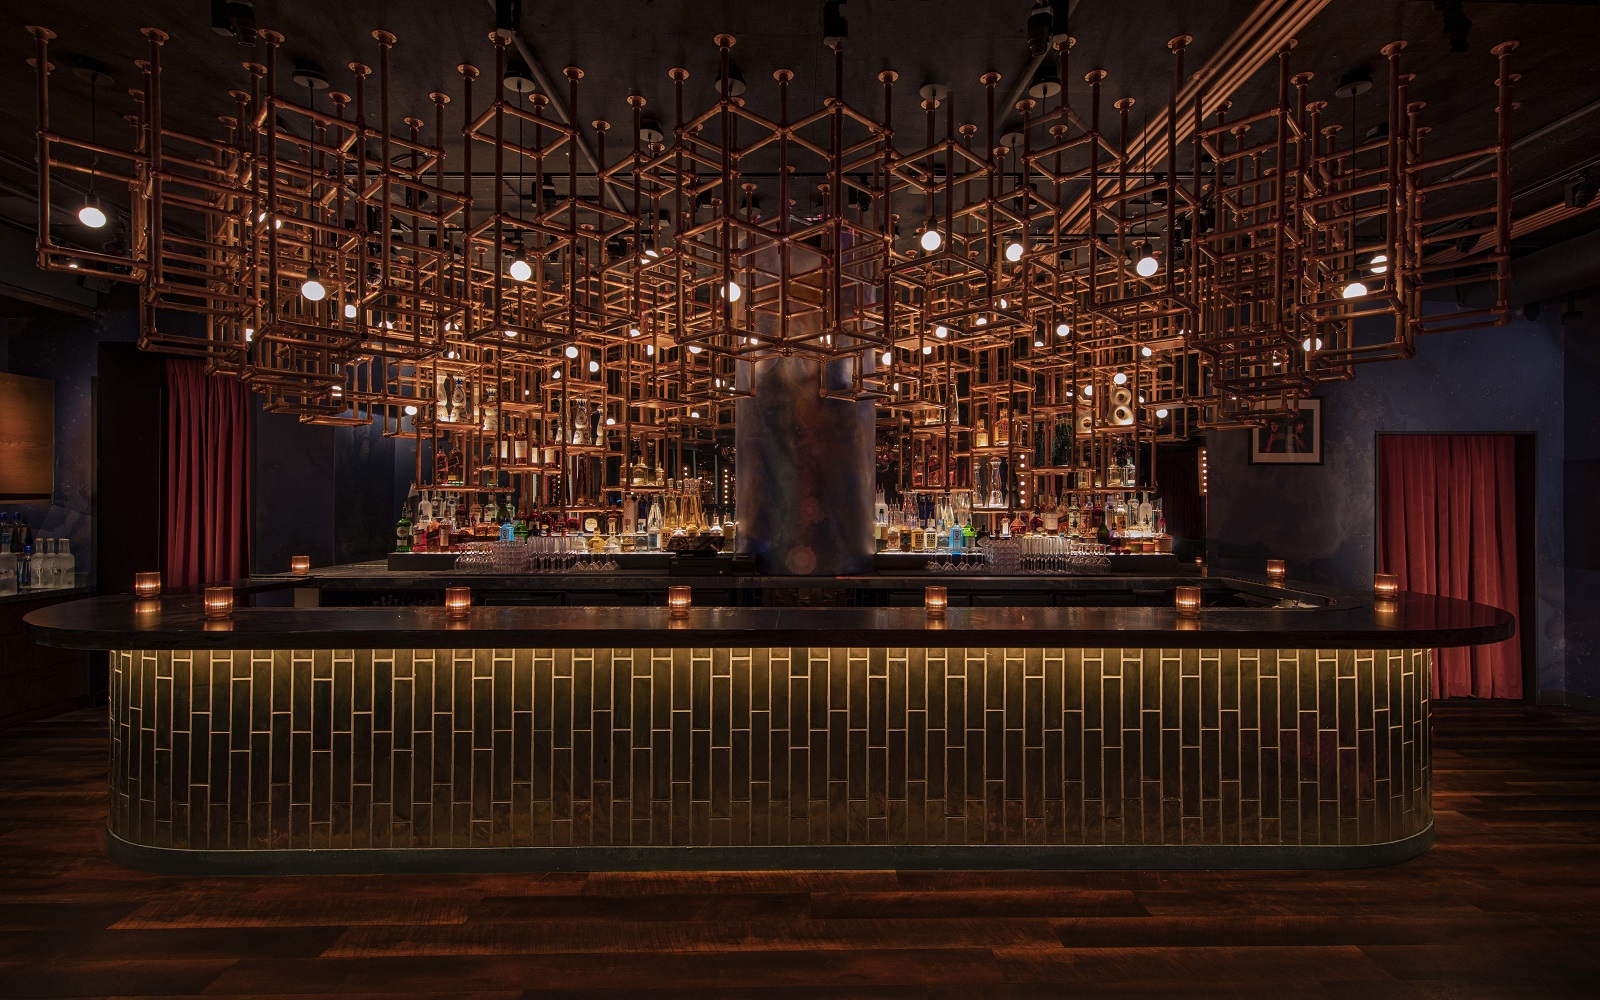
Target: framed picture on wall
1291	438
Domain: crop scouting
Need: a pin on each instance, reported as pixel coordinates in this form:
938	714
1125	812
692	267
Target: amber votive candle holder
1385	586
147	584
1276	570
1187	601
936	600
457	602
218	602
678	600
299	565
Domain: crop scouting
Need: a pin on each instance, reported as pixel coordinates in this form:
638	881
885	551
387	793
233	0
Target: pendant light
91	214
312	289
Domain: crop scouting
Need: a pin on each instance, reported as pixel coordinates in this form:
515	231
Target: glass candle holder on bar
1385	586
936	600
457	602
218	602
300	565
1276	570
1187	601
147	584
678	602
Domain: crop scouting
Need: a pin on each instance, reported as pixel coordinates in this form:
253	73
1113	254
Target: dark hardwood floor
1506	905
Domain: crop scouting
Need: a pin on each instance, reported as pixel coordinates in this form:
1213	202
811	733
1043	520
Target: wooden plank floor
1507	905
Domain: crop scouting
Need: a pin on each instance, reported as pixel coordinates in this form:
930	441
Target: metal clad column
805	479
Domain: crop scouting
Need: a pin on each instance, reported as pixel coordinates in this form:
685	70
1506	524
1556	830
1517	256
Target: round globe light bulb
1014	252
571	351
1161	414
1147	266
1120	378
734	291
695	348
313	290
91	215
1062	329
1380	263
1355	290
931	240
350	310
941	332
888	358
1145	352
520	270
411	411
594	366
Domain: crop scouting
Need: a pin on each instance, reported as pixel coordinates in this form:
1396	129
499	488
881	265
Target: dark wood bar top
176	622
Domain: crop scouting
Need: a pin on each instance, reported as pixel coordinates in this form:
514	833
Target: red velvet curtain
1447	525
208	477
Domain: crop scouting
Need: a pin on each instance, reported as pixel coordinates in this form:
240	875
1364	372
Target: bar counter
394	738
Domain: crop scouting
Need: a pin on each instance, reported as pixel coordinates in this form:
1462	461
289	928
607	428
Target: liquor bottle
1130	475
654	522
957	538
21	537
43	567
66	564
5	532
1113	471
25	568
1052	516
980	435
402	533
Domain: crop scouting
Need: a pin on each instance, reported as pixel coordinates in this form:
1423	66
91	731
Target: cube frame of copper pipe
218	602
300	565
679	599
147	584
1187	601
457	602
1276	570
1385	586
936	601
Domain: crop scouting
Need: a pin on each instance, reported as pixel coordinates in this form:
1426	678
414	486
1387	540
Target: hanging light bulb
571	351
91	214
556	374
1120	378
888	358
695	348
1088	390
734	291
511	334
312	288
1014	252
350	310
1062	329
1038	343
649	349
1355	289
249	334
519	270
1307	344
594	366
411	411
941	332
931	240
1379	263
695	414
1161	414
611	421
1147	264
1145	352
927	348
633	331
983	321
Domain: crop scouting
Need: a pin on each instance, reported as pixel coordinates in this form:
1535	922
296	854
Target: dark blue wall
1322	519
331	493
66	351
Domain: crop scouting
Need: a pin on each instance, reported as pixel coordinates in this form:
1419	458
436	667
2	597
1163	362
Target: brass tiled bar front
1131	752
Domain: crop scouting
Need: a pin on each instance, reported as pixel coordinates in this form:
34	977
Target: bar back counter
1292	733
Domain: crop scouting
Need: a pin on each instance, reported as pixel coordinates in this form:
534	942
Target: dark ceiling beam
559	106
1257	41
